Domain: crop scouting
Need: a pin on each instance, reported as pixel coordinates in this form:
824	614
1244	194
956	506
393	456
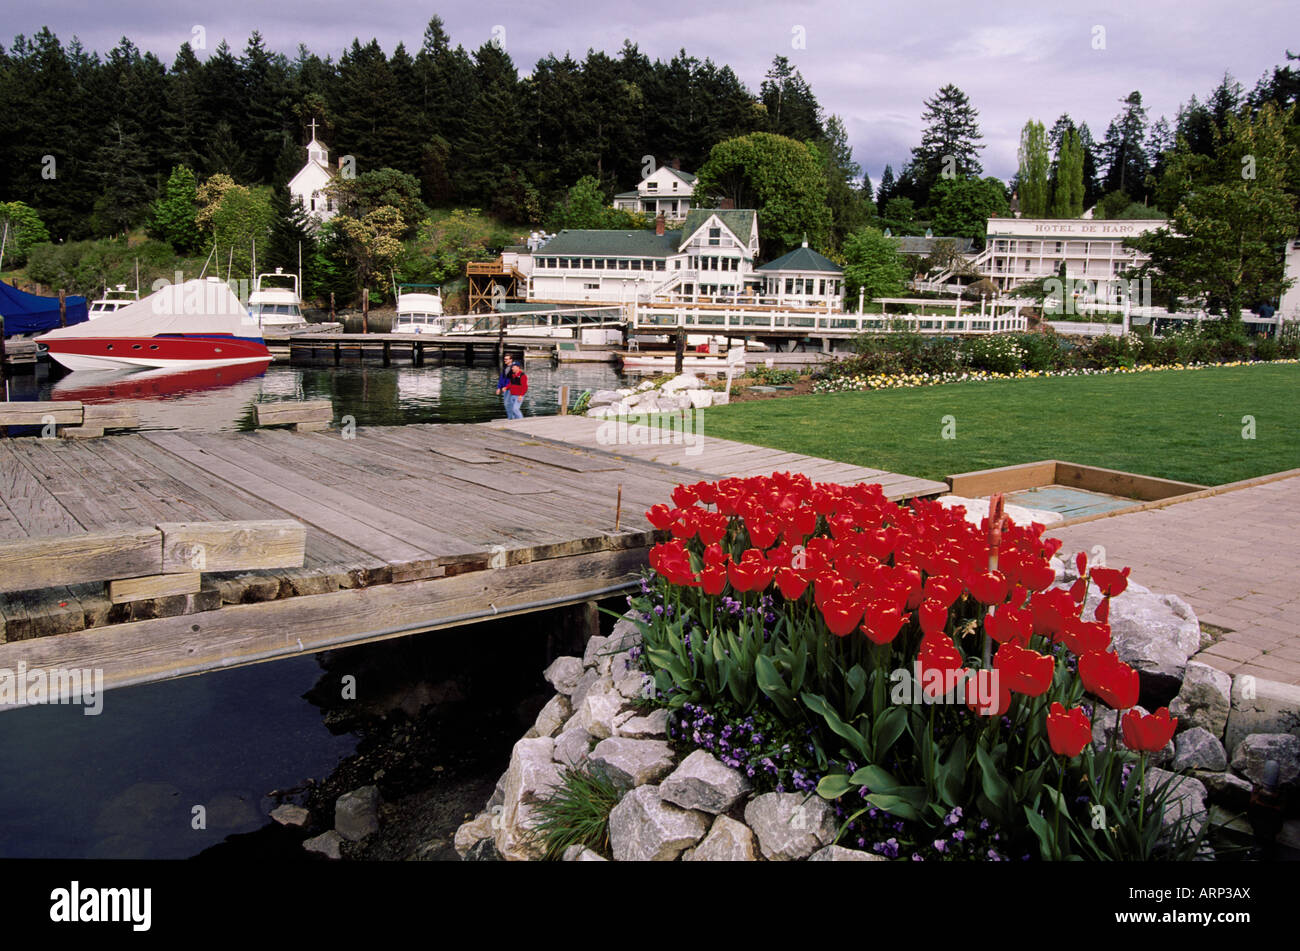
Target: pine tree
119	167
1124	150
950	143
886	190
291	230
792	108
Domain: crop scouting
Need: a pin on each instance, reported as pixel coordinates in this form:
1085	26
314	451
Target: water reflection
222	398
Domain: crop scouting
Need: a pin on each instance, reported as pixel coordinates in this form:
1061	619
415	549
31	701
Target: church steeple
315	151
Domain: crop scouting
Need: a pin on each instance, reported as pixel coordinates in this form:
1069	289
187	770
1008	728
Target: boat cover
29	313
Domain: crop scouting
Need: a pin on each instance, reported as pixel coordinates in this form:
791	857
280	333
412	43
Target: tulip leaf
952	773
875	779
668	661
818	704
771	683
905	802
857	681
1046	839
833	786
996	788
889	726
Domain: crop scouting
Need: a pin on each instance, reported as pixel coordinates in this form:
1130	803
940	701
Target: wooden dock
413	348
407	529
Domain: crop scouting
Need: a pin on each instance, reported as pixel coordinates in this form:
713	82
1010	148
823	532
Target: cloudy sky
871	62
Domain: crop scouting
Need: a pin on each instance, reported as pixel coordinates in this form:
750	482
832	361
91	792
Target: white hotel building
1024	249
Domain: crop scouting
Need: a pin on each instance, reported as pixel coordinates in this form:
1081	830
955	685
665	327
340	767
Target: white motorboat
274	302
112	301
419	310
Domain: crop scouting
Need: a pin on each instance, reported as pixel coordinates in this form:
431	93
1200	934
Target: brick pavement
1234	557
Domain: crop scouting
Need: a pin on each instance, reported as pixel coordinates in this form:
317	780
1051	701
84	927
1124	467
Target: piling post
365	311
331	306
63	307
4	359
680	355
501	340
564	400
388	353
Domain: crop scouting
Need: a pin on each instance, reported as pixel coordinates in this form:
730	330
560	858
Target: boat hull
180	352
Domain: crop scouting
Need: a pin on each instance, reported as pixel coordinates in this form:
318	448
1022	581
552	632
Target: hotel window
715	237
586	264
789	285
660	265
599	264
652	186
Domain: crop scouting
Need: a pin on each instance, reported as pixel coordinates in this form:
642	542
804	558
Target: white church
309	185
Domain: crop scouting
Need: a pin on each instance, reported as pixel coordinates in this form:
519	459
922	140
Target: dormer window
715	237
652	186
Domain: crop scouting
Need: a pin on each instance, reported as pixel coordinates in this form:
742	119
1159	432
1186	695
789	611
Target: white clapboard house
666	191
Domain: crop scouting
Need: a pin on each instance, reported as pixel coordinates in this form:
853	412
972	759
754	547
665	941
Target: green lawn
1176	424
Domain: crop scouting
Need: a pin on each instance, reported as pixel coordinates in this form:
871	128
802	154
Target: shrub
997	353
576	812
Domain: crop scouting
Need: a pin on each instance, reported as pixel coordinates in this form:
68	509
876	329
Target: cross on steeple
313	127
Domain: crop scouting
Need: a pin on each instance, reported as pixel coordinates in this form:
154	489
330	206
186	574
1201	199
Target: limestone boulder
1204	699
727	841
644	828
1198	748
532	774
1261	706
630	762
702	782
790	826
1256	750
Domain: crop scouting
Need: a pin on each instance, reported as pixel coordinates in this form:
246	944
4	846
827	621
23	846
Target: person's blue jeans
514	406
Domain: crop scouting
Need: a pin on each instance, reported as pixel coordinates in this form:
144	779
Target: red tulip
881	622
1106	676
685	496
1001	696
937	653
933	616
1009	624
1102	613
829	585
1148	734
1081	563
762	531
714	555
946	590
1068	730
661	516
841	615
713	579
989	587
752	573
1023	670
1110	581
1051	609
1037	575
1083	636
792	583
713	527
1079	590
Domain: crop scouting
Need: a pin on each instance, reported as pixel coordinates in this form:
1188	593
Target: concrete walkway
1234	557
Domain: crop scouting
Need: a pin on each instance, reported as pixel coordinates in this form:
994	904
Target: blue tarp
28	314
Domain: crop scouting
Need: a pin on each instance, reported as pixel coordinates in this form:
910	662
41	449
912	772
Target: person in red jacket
516	387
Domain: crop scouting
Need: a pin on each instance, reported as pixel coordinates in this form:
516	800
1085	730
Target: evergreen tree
171	217
184	115
792	109
1067	188
886	190
1031	181
1124	151
950	143
492	144
1091	175
124	188
291	230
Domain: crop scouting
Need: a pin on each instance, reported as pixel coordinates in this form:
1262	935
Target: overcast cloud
872	63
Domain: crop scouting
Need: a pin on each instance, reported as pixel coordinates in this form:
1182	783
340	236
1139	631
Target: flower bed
851	382
921	673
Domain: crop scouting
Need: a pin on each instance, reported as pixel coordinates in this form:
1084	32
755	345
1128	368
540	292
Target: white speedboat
419	310
112	301
274	302
192	325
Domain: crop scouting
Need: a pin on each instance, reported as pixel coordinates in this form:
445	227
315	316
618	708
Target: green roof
635	244
740	221
802	259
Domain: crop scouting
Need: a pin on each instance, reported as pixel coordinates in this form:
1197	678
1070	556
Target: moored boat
112	301
274	302
418	311
198	323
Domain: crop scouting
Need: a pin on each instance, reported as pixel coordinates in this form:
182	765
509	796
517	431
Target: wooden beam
100	556
1030	475
154	586
231	546
63	412
293	411
111	416
152	650
1129	485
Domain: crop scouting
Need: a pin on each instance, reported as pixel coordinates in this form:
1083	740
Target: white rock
1154	633
647	385
643	828
598	710
532	774
686	381
1261	706
327	844
595	656
1198	748
630	762
721	399
635	685
564	673
790	826
1255	750
838	853
701	399
1186	797
580	853
572	746
978	509
702	782
654	724
471	833
290	815
727	841
551	717
1204	699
